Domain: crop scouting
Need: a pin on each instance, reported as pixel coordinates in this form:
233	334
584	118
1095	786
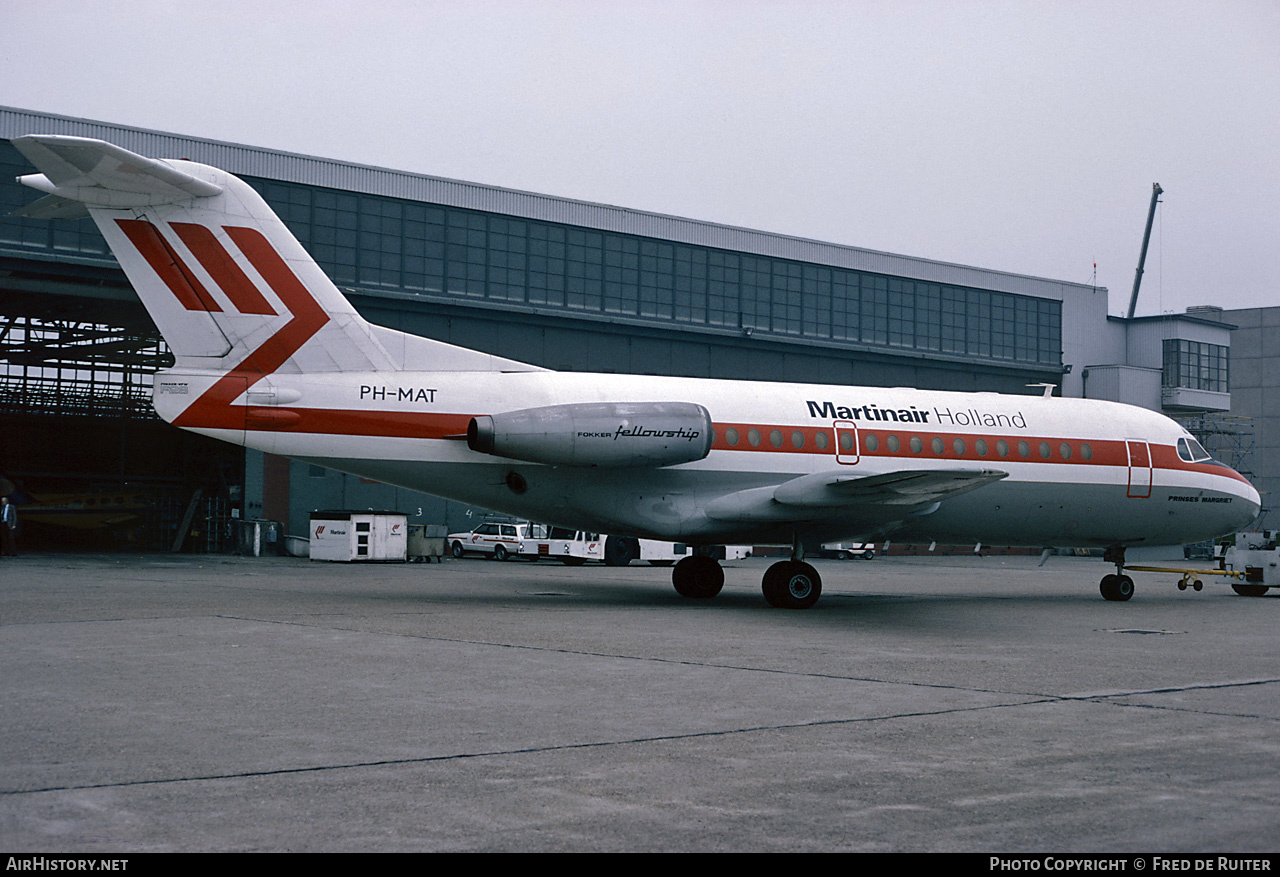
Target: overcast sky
1019	136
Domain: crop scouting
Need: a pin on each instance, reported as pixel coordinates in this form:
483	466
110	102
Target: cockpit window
1191	451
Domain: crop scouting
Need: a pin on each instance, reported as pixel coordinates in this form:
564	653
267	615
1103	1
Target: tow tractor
1250	560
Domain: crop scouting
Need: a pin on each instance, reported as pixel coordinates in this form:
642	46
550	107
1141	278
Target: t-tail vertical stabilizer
226	282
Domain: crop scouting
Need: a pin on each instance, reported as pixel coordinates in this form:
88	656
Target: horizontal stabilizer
53	207
104	175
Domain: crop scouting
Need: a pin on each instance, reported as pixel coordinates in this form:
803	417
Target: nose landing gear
1117	585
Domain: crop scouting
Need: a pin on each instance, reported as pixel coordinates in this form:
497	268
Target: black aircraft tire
620	551
791	584
1116	588
1248	590
698	578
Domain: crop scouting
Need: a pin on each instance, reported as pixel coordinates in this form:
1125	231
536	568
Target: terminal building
563	284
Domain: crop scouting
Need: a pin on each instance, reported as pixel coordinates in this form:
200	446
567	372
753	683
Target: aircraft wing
813	496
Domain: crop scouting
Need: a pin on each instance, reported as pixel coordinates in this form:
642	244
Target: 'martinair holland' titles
939	416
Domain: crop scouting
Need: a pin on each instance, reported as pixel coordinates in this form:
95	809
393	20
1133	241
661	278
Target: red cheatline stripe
329	421
166	263
222	268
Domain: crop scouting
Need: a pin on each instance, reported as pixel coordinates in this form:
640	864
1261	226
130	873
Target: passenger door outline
1140	474
846	456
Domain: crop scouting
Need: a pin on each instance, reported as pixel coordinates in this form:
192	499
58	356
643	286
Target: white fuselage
1080	472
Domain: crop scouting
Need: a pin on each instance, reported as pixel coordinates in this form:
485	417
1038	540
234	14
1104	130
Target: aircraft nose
1250	501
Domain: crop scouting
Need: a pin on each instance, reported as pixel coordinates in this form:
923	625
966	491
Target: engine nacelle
611	434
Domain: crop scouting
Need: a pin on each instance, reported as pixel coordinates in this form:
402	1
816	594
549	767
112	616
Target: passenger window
916	445
893	444
1086	452
1024	449
753	438
1045	451
981	447
731	436
1065	450
797	439
1002	448
821	440
775	438
872	443
937	445
959	447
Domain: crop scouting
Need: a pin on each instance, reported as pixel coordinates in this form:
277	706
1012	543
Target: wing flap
811	497
911	487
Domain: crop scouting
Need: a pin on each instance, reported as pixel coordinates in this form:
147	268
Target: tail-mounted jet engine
610	434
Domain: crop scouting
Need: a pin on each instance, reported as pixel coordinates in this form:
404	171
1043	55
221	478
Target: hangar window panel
621	274
657	279
1002	327
844	305
754	295
978	322
816	302
928	305
875	310
902	317
723	284
953	320
787	300
1049	331
690	304
1025	328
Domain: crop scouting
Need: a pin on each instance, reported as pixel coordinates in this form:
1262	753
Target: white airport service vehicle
1256	557
846	550
269	354
572	547
496	539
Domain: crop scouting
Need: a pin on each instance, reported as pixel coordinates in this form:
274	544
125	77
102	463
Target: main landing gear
792	584
698	577
1117	585
788	584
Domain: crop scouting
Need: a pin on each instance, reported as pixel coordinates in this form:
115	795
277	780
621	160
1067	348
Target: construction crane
1156	192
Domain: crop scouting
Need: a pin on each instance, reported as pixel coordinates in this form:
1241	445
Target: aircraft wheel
1116	587
457	550
500	552
620	551
791	584
698	578
1248	590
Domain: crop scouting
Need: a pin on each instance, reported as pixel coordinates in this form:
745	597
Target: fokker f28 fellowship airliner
269	354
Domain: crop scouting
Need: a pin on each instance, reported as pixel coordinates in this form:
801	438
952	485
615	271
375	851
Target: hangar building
564	284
